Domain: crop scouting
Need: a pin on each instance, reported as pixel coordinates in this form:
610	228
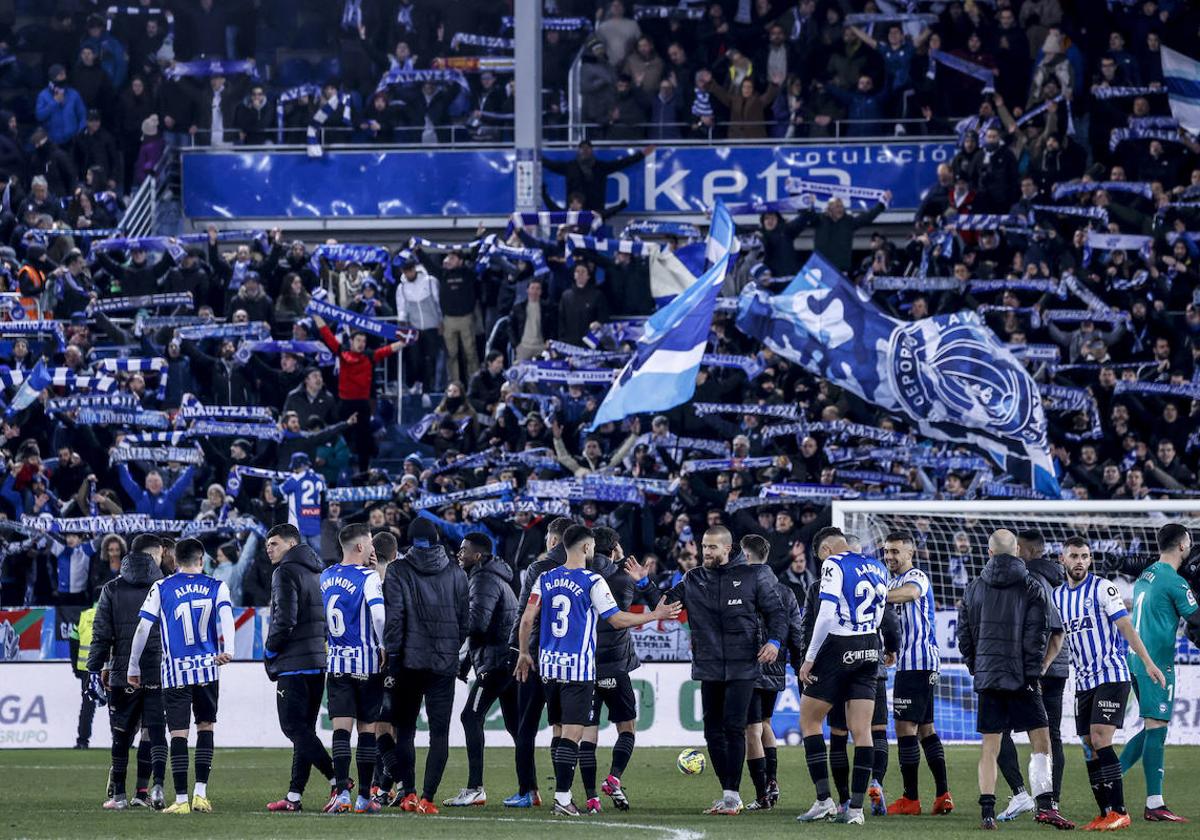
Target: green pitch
57	793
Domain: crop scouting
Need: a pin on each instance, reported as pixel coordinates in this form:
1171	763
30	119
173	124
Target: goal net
951	540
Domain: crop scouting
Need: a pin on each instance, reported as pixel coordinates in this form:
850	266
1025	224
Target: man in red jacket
355	385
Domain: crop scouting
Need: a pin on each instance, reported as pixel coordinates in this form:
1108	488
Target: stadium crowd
1110	328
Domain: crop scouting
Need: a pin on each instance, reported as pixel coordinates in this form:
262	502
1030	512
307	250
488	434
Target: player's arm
826	619
228	628
525	631
770	607
665	611
1138	647
373	592
147	618
904	594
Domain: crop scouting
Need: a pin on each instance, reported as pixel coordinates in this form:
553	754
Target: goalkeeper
1160	598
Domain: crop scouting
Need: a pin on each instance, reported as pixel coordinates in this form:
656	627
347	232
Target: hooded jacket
296	641
723	606
117	620
774	675
1003	626
615	653
493	613
554	558
428	611
1051	575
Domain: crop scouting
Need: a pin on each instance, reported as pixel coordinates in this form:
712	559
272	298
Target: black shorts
762	705
191	702
846	669
616	693
129	708
355	697
879	714
912	696
1016	711
569	703
1103	705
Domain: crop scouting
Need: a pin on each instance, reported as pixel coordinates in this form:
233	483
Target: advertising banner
481	182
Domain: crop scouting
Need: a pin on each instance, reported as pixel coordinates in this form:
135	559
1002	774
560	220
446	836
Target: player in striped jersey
1095	620
354	617
192	610
568	599
303	490
917	666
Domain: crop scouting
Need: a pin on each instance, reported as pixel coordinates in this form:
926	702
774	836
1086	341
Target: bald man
1005	639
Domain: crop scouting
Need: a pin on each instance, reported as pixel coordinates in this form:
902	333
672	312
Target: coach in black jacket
724	599
427	622
493	612
129	708
1004	637
294	655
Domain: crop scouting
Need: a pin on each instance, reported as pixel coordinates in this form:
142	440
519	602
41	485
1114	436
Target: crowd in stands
1120	379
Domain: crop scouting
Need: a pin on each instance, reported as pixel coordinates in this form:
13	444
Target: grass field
57	793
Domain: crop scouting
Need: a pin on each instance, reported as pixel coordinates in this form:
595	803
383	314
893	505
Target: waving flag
1182	78
662	372
947	374
38	380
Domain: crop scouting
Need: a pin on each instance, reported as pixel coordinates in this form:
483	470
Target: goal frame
841	507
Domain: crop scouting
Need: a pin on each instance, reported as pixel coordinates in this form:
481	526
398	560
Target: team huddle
382	634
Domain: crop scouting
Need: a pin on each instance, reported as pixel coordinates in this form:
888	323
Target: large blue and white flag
947	374
1181	75
38	380
662	372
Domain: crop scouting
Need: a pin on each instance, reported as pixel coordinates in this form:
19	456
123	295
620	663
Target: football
691	762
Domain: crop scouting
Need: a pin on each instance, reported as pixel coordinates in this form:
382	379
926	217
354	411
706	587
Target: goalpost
951	539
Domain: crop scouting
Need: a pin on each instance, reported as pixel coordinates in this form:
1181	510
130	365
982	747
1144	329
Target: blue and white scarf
884	283
493	246
206	67
649	227
1119	92
157	454
348	253
799	186
1025	284
752	366
121	304
300	348
1142	188
726	464
1190	390
786	412
591	488
537	507
191	409
701	103
399	76
336	105
233	484
486	42
1035	352
436	500
865	19
985	221
550	219
1078	316
1119	135
1099	241
533	372
373	493
313	92
996	490
130	523
217	428
144	438
63	377
1098	213
115	402
361	323
968	68
254	330
633	247
679	12
115	417
558	24
786	489
130	364
1066	398
871	476
24	329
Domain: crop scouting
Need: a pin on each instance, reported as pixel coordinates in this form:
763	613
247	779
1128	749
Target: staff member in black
129	708
531	695
724	599
294	655
493	612
425	596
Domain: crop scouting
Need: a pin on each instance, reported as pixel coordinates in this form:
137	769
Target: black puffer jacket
723	607
493	611
774	676
554	558
1051	575
615	654
428	611
117	620
297	638
1003	626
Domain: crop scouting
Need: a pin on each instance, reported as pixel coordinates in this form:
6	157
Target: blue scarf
726	464
205	67
255	330
399	76
216	428
313	92
647	227
436	500
967	68
539	507
157	454
846	192
787	412
486	42
121	304
1190	390
558	24
114	417
191	409
1120	135
301	348
329	108
1142	188
871	476
362	254
373	493
362	323
680	12
1107	92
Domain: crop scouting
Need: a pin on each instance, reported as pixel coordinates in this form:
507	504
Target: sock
731	795
772	756
1041	780
565	759
622	752
864	758
879	767
385	745
1152	757
120	762
1132	753
758	775
987	805
179	766
201	789
293	796
910	762
1110	775
158	753
839	765
1096	781
935	757
145	764
364	755
341	756
818	766
587	767
204	759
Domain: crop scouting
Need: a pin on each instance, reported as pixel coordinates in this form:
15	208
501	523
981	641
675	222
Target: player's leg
573	711
122	719
587	759
839	753
909	749
756	759
1030	716
178	702
366	751
144	757
712	701
879	746
622	711
989	751
439	707
340	693
406	706
1053	689
1009	764
479	702
813	710
935	758
205	707
531	701
1109	766
771	753
737	704
859	713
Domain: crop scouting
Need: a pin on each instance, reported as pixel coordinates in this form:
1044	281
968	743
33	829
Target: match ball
691	762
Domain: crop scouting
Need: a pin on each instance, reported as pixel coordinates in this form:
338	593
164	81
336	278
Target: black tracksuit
493	613
295	659
428	616
724	605
1003	626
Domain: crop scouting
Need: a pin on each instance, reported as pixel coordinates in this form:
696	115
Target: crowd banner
280	184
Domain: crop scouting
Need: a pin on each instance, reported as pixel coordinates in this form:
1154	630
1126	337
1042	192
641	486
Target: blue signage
683	179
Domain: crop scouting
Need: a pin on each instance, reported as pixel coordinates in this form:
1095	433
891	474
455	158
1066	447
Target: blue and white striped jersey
918	625
1089	615
351	594
73	566
186	607
571	600
304	491
857	586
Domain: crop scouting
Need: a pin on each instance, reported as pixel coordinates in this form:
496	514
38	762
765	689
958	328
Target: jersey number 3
561	606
